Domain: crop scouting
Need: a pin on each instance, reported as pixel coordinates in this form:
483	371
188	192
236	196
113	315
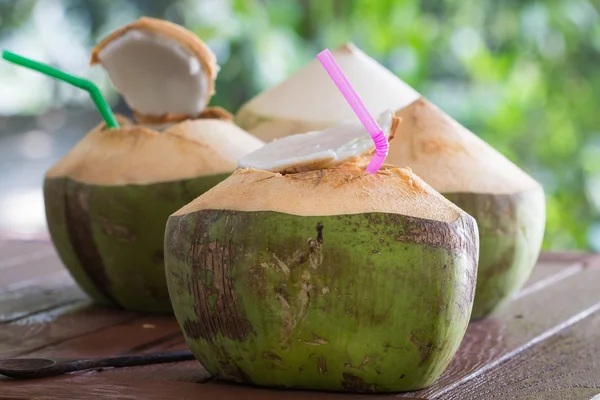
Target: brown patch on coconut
79	229
215	300
208	113
424	346
353	383
216	113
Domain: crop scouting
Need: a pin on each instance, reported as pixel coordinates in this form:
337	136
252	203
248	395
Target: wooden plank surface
26	271
543	344
565	366
522	323
18	252
94	386
57	325
138	335
42	294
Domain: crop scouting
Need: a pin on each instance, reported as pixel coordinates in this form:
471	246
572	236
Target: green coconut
509	206
310	273
107	201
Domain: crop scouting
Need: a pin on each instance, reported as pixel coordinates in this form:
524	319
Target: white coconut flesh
338	144
135	154
309	100
161	69
155	74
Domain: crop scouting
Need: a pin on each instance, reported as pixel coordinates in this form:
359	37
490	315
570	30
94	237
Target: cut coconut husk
451	158
163	71
310	101
343	189
329	279
344	142
508	205
107	202
138	155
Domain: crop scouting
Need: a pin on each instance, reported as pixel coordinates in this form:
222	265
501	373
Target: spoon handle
66	366
129	361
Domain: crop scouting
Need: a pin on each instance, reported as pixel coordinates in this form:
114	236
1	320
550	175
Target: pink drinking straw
338	77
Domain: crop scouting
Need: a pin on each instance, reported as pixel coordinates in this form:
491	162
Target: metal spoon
28	368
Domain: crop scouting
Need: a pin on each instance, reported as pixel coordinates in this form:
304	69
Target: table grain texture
544	344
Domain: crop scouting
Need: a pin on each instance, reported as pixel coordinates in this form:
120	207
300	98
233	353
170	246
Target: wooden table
543	345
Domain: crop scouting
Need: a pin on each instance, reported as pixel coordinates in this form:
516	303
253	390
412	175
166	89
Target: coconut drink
509	205
300	270
108	199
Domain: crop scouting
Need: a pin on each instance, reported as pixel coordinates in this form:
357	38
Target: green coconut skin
360	303
511	229
111	238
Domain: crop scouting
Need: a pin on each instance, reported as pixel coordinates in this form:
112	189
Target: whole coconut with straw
309	273
302	270
108	199
509	205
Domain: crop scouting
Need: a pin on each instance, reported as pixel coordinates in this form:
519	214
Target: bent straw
379	138
99	101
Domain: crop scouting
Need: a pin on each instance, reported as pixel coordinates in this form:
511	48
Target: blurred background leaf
524	75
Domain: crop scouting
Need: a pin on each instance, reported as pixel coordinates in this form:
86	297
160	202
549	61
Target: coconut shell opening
164	72
309	100
340	190
342	143
134	154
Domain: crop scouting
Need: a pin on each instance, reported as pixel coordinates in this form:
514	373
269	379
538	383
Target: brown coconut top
342	189
310	100
451	158
164	72
135	154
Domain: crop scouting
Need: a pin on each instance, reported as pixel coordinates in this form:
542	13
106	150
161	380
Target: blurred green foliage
524	75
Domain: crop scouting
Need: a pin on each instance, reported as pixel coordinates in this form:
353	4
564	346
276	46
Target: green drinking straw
81	83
